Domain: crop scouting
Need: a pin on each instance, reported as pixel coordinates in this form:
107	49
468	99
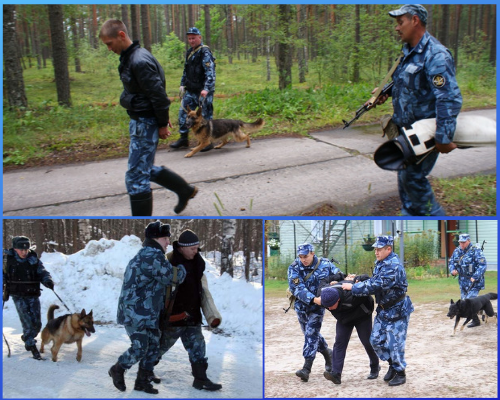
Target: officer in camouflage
306	275
424	87
389	285
469	263
198	79
23	272
141	300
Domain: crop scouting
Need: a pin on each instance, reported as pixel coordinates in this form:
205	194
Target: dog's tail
250	127
50	313
493	296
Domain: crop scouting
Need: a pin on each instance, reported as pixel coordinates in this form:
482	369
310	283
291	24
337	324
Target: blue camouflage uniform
198	75
141	299
424	87
310	315
470	263
389	285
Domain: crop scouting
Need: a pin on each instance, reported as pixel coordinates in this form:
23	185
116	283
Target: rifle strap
386	78
169	287
312	272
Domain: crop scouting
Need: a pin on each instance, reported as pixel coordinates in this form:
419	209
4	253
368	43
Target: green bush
420	249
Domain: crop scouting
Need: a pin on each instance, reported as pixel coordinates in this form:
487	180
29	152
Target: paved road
281	176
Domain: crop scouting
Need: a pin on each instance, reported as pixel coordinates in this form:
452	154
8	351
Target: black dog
468	308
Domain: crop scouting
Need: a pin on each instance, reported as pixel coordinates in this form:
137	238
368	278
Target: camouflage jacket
144	287
425	87
470	263
306	291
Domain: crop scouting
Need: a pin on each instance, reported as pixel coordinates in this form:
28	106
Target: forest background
300	67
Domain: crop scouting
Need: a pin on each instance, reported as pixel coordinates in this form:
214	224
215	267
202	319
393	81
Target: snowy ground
92	279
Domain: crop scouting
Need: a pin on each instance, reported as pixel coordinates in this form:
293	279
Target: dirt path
439	364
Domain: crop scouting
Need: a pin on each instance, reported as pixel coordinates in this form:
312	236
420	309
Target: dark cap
156	230
412	9
193	31
21	242
329	296
188	238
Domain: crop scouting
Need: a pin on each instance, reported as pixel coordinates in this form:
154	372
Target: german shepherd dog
468	308
218	129
69	328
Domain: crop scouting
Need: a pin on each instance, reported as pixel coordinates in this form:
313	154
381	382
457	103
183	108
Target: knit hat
156	230
329	296
188	238
21	243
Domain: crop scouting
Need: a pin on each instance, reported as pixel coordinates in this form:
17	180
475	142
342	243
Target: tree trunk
444	36
135	17
13	72
229	32
76	43
458	12
146	27
125	17
207	38
228	232
302	49
357	44
283	47
493	36
59	54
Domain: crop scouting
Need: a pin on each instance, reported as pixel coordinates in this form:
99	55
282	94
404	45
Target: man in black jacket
187	310
351	312
146	101
22	274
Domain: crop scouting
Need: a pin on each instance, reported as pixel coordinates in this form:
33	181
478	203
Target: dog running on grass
69	328
468	308
207	131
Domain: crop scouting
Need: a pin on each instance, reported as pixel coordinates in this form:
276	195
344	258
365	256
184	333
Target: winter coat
143	79
144	285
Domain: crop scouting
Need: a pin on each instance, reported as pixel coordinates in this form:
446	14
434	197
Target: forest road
274	177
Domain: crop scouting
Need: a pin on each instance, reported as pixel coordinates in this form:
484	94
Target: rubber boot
398	379
142	382
475	322
306	369
201	381
328	354
176	183
391	372
182	142
35	352
141	204
334	377
117	372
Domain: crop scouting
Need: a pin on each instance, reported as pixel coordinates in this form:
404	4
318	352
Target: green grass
421	291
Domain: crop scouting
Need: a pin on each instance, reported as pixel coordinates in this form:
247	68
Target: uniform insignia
482	260
207	64
296	281
438	81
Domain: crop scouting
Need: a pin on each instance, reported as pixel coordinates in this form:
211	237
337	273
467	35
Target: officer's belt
391	303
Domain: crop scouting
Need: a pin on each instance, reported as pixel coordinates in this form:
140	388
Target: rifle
369	104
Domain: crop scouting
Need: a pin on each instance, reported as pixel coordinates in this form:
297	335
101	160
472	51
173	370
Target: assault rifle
369	104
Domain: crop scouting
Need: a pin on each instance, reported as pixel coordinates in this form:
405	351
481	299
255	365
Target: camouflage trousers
415	190
28	309
388	339
310	323
465	293
192	340
142	149
144	348
193	101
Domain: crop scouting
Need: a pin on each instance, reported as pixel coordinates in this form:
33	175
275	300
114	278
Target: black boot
391	372
475	322
334	377
306	369
176	183
328	354
182	142
142	382
142	204
374	372
398	379
35	352
117	372
208	147
152	377
201	380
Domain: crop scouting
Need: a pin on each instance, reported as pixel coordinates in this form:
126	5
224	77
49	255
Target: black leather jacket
143	79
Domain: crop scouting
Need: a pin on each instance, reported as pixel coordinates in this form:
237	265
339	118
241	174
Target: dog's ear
188	109
198	111
90	313
451	301
83	313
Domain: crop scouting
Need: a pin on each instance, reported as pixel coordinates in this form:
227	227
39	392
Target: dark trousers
343	335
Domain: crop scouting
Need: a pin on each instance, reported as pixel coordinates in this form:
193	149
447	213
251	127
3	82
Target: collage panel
381	308
168	307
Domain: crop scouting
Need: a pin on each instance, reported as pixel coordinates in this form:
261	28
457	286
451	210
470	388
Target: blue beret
383	241
329	296
304	249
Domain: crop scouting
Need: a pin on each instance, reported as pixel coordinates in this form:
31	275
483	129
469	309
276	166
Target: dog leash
61	300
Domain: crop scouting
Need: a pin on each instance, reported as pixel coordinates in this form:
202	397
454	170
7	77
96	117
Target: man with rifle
469	263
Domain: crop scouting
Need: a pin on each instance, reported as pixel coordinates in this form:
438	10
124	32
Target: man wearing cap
389	285
146	101
469	263
23	272
305	277
351	312
141	300
186	316
197	85
424	87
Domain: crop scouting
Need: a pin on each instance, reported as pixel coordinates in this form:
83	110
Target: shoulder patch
482	260
296	281
438	80
207	64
